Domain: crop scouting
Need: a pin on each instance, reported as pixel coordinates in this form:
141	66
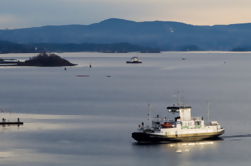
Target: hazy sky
35	13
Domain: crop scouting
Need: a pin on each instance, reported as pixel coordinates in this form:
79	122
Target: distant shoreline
9	47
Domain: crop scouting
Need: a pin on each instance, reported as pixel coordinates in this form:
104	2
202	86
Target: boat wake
237	136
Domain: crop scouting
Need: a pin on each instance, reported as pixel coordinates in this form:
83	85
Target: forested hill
9	47
165	35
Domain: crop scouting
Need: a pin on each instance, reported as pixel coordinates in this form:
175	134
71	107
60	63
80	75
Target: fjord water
71	120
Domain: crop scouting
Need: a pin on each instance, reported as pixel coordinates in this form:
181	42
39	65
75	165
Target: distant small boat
183	58
134	60
108	76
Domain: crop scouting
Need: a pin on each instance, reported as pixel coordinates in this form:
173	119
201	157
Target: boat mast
149	115
178	98
208	112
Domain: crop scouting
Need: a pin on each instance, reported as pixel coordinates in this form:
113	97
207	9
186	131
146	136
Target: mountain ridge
166	35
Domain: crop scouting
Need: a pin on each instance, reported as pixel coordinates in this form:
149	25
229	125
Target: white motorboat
134	60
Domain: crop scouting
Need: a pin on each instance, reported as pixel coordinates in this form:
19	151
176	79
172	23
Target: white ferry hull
151	137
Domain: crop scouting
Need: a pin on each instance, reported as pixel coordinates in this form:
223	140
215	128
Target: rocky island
43	59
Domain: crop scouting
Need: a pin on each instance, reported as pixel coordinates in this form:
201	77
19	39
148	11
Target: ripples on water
71	120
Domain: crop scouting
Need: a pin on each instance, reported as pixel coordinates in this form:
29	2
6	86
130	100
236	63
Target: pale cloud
11	22
6	19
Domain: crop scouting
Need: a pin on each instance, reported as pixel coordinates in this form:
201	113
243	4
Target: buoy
65	68
90	65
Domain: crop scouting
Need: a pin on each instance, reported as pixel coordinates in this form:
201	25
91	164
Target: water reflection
190	146
11	125
182	147
6	154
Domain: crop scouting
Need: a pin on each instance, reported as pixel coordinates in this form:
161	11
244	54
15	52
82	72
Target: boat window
179	122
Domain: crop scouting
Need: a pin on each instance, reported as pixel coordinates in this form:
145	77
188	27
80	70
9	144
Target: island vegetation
246	48
46	60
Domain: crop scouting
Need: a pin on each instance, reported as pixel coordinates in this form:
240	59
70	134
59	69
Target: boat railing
197	118
160	119
146	129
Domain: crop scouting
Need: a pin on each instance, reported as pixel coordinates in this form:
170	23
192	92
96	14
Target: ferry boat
134	60
182	128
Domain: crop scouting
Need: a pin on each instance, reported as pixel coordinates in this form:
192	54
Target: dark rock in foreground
44	59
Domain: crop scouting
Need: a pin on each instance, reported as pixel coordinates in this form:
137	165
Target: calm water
71	120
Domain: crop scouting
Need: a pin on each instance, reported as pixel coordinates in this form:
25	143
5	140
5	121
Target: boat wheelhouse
134	60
